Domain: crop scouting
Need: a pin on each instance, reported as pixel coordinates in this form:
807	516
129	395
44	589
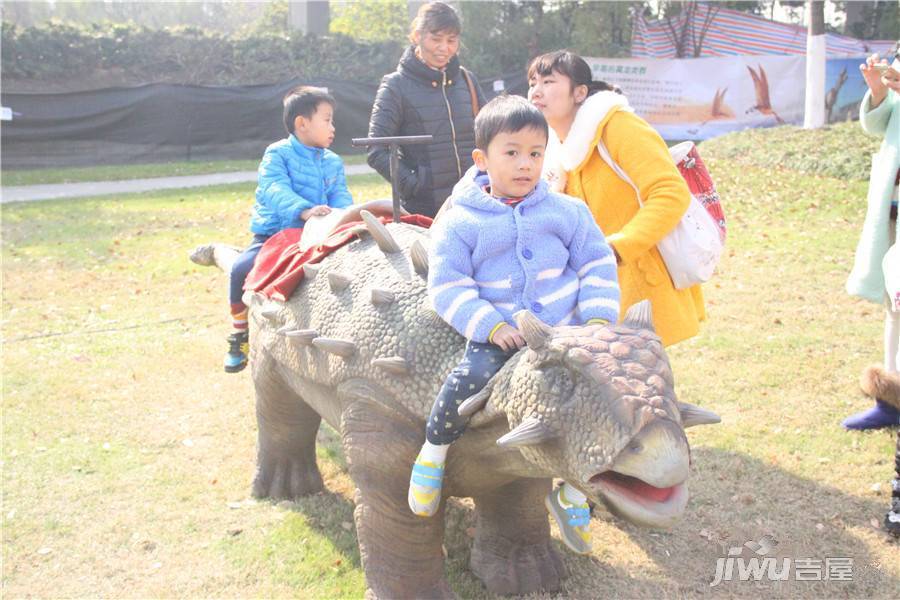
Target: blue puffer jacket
292	178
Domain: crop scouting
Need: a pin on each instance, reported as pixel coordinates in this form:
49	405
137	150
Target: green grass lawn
12	177
128	454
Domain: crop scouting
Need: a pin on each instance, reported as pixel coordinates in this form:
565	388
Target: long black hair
572	66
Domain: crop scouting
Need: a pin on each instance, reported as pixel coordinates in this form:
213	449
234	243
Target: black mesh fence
164	122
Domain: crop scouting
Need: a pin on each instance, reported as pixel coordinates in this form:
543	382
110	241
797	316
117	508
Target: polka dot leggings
478	365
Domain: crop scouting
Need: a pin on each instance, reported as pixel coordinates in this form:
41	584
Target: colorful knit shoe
573	521
238	349
425	487
880	415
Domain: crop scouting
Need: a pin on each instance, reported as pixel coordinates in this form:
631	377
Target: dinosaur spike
253	299
536	332
304	337
640	316
694	415
379	232
419	256
529	432
395	365
310	271
338	281
381	297
270	312
342	348
474	403
283	331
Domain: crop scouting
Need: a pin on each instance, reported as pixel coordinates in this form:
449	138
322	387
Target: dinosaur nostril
636	448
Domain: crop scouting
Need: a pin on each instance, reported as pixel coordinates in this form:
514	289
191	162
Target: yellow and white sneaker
425	487
572	519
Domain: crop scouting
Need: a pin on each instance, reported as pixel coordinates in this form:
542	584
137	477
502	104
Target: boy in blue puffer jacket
506	244
298	178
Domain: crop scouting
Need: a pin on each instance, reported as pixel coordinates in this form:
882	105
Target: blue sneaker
880	415
238	349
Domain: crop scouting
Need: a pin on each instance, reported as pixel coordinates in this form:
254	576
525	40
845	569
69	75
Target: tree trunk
814	113
855	24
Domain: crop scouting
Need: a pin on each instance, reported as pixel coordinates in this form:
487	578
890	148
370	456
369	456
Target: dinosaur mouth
639	502
633	487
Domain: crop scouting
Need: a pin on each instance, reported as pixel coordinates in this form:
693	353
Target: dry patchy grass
127	453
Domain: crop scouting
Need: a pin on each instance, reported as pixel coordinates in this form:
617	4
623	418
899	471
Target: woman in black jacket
429	93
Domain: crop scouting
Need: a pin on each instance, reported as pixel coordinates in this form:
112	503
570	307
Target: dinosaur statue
358	345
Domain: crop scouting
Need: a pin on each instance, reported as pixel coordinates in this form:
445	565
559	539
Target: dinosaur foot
511	569
286	478
439	591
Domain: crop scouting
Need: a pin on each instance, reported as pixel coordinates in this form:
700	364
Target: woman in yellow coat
581	114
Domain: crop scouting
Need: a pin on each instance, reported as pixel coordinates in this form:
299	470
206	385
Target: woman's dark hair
507	114
434	17
303	101
572	66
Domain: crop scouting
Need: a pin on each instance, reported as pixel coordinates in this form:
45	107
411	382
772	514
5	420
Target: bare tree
681	28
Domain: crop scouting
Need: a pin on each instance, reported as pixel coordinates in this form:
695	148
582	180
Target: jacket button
434	84
526	254
537	307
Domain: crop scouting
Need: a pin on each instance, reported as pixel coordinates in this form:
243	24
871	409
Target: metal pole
393	143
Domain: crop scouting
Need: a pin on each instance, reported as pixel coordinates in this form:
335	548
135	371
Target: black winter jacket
418	100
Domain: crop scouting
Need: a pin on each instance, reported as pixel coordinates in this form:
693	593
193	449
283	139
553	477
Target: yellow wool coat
576	167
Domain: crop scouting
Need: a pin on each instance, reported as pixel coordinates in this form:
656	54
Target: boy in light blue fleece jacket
299	178
507	244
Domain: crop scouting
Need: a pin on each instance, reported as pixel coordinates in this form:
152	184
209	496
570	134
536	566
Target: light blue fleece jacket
292	178
489	260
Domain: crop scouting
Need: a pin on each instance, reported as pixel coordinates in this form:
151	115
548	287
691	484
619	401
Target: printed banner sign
700	98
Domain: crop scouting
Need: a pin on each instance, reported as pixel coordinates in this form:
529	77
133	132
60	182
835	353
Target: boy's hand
508	338
316	211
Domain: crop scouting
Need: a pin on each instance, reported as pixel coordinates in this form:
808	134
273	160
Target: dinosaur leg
286	454
401	552
512	553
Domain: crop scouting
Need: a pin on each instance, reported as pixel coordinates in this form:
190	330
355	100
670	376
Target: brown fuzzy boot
881	385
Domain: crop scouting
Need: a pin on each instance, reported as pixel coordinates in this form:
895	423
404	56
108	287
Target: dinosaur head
596	406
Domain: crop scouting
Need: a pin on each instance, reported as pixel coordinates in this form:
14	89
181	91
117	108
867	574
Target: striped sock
239	317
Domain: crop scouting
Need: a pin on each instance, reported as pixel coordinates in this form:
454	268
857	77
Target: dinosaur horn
474	403
694	415
381	297
270	312
254	298
419	256
310	271
342	348
529	432
379	232
396	365
536	332
640	316
338	281
304	337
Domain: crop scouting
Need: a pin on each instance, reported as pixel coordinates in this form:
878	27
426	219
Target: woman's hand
316	211
873	79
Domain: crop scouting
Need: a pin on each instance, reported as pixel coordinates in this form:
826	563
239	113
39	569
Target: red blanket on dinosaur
279	266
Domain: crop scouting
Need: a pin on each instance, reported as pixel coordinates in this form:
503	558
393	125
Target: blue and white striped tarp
733	33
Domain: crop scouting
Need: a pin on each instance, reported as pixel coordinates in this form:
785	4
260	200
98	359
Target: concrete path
28	193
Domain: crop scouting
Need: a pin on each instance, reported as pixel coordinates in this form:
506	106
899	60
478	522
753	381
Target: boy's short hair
507	114
303	101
